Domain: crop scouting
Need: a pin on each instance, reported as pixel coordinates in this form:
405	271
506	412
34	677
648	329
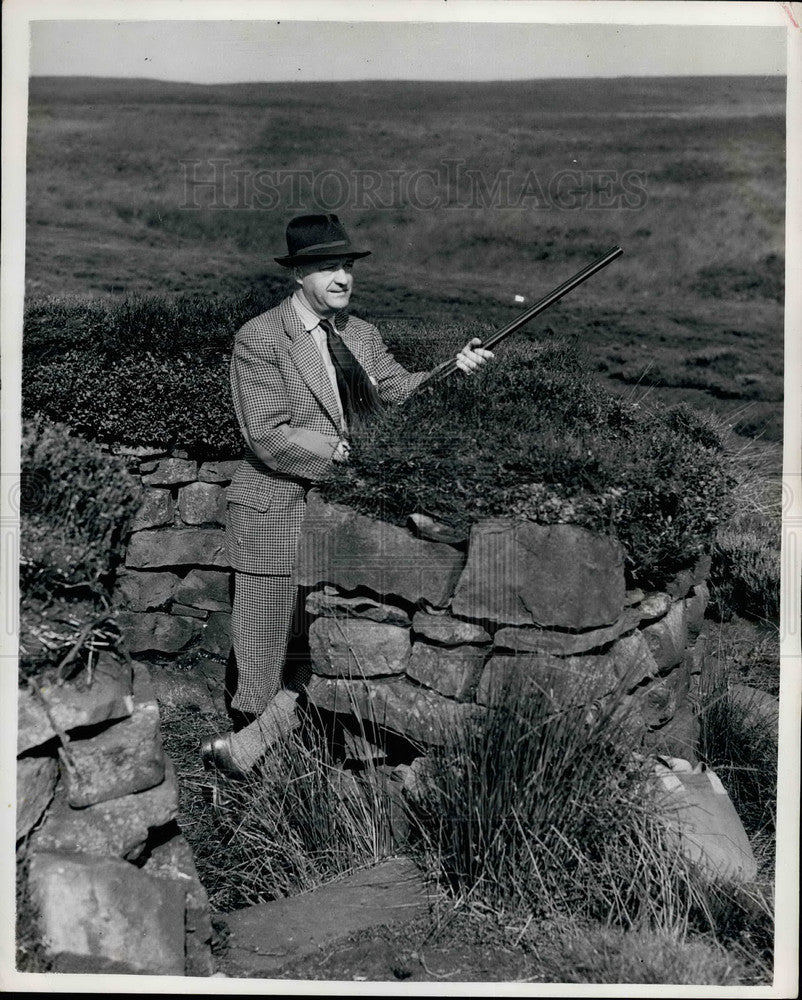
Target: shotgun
447	368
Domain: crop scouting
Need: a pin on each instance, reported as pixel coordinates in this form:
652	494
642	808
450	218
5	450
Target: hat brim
311	258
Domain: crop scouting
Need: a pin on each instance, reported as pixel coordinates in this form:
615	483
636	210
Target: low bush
150	370
158	401
539	438
157	325
745	573
75	502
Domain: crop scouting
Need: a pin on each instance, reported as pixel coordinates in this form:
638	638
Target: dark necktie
358	395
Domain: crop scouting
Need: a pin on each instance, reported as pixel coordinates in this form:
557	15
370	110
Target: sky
225	51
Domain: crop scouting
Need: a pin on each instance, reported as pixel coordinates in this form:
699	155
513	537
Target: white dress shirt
311	322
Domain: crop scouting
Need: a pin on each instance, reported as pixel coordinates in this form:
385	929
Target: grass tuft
298	822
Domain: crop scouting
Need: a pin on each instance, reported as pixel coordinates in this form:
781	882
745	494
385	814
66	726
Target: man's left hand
473	356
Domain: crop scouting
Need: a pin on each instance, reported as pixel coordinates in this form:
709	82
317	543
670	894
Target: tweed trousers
261	617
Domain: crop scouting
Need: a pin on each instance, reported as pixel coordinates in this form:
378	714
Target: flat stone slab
696	604
419	714
339	546
174	860
116	828
208	589
218	472
654	605
571	679
337	605
202	503
122	759
268	936
156	508
36	783
155	548
541	640
181	688
146	591
559	576
215	638
453	671
668	637
171	472
157	631
447	630
74	704
101	915
353	647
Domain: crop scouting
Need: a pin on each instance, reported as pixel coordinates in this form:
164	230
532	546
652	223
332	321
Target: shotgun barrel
447	368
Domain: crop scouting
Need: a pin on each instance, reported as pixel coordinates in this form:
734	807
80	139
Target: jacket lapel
306	358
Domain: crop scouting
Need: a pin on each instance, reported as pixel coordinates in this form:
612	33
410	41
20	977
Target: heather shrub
537	437
745	575
153	324
155	400
148	370
75	502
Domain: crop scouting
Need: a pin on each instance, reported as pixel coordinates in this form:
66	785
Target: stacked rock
174	589
111	877
414	629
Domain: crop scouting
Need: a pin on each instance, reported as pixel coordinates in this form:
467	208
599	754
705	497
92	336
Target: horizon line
514	79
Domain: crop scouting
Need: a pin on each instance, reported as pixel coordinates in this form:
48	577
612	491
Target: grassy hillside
686	174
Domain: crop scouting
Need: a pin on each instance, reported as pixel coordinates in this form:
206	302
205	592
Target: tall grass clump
739	740
745	571
296	823
539	438
545	811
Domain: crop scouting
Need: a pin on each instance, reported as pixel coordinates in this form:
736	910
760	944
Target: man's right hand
342	451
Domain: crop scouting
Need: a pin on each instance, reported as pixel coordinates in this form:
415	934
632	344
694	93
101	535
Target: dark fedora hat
317	237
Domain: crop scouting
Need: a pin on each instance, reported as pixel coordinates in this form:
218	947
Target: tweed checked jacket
289	417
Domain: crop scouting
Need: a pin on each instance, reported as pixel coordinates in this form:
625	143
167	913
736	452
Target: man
303	374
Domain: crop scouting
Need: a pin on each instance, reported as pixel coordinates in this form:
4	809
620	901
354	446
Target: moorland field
468	194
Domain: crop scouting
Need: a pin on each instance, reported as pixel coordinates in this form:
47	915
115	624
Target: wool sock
277	721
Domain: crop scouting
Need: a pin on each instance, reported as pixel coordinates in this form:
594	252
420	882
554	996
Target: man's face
326	285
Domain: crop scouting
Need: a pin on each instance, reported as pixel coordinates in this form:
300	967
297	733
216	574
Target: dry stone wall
417	627
174	590
410	634
111	878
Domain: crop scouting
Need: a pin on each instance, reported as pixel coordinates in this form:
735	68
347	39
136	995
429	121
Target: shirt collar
309	319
